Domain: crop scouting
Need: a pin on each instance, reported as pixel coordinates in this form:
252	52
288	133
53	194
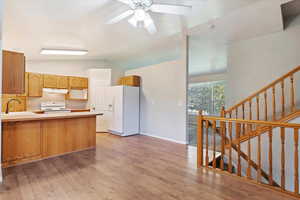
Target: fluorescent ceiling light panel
63	52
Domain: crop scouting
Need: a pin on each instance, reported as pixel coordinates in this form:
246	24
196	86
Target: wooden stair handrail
271	85
258	122
262	130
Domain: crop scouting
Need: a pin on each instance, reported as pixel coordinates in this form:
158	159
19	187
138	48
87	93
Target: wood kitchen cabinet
24	140
14	106
68	135
21	142
35	85
78	82
130	81
62	82
55	81
25	94
50	81
13	72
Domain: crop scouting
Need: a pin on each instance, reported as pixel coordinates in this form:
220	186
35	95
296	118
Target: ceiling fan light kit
140	13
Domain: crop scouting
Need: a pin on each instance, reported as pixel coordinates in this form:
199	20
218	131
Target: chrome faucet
7	104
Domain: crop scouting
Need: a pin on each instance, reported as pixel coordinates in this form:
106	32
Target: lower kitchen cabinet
31	140
68	135
21	141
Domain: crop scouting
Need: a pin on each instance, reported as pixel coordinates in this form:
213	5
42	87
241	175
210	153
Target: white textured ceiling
30	25
209	41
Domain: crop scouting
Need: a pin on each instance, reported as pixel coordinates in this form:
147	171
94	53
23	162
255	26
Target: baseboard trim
164	138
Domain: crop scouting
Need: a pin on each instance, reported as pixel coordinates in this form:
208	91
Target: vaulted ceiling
30	25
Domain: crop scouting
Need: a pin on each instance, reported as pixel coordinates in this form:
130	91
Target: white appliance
54	107
123	110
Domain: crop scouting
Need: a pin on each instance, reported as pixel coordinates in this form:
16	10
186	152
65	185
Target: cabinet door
78	82
84	83
13	73
130	81
62	82
74	82
81	137
26	86
35	85
56	139
21	141
50	81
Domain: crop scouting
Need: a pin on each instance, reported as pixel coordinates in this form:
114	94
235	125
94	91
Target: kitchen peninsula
30	137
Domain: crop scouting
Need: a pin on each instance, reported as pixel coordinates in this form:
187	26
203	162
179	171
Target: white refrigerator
123	110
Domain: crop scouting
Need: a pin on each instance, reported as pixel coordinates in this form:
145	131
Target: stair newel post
206	141
223	136
230	144
214	144
282	136
230	147
200	140
238	132
296	154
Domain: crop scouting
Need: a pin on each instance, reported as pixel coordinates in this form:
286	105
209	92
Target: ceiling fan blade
171	9
149	24
120	17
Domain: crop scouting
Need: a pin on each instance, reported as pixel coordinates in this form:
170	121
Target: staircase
257	139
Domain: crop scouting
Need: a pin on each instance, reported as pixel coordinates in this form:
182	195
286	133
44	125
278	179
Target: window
209	97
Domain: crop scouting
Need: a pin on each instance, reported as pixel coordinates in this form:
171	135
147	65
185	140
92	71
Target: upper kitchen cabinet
78	82
56	82
25	94
35	85
62	82
134	81
50	81
13	72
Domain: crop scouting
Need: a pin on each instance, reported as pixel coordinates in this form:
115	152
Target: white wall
254	63
163	100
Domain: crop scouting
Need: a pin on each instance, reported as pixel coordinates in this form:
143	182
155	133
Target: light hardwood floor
137	167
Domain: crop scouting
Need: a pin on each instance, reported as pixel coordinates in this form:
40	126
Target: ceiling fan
140	12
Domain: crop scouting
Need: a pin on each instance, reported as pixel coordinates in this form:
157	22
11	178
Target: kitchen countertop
37	117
